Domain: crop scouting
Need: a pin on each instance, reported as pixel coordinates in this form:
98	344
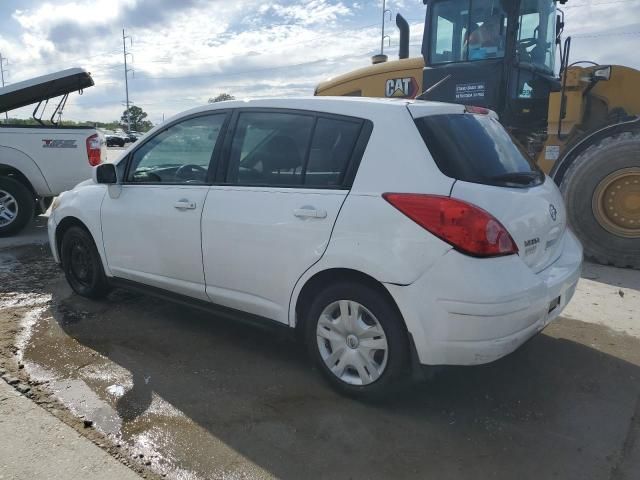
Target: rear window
477	149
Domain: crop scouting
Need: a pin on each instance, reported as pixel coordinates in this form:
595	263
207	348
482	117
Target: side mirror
105	173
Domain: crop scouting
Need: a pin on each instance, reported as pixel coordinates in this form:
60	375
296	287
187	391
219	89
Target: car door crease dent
104	247
204	275
295	286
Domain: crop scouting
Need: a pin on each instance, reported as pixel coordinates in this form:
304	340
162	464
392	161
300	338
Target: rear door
492	173
270	217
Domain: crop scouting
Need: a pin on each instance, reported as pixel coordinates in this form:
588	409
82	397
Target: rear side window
269	148
291	149
477	149
331	148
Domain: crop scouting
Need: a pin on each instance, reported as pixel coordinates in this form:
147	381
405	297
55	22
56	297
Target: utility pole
2	64
126	73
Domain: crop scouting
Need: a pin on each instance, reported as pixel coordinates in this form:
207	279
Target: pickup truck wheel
82	264
358	341
17	206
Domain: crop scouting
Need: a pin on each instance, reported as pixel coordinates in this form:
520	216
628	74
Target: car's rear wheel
82	264
17	206
357	338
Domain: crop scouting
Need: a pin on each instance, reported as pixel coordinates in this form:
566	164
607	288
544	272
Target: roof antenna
423	95
381	57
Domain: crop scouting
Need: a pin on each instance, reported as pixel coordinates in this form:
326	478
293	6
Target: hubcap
616	202
8	208
352	342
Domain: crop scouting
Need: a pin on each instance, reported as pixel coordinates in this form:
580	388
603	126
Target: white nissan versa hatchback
389	233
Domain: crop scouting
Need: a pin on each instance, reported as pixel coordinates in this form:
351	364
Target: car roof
364	107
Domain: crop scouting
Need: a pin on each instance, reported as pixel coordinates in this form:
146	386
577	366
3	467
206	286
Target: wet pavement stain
192	396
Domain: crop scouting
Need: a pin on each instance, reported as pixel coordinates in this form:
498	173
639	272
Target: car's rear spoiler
44	88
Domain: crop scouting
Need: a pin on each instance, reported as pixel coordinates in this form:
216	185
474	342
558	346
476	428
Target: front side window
465	30
536	33
180	154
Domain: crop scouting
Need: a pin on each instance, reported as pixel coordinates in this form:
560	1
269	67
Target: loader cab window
466	30
536	34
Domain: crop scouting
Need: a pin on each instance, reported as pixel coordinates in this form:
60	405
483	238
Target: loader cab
498	54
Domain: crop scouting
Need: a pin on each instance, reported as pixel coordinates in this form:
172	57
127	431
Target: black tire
24	202
82	264
397	370
40	209
580	184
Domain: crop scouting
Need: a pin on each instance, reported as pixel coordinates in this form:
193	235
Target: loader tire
601	190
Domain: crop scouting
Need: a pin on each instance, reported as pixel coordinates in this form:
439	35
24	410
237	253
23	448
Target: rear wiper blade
523	178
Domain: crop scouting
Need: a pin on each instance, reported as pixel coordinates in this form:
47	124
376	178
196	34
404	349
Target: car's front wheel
82	264
356	336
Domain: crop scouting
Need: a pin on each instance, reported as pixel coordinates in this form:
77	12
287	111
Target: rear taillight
94	150
468	228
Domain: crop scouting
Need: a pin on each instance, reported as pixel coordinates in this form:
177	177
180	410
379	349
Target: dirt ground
179	394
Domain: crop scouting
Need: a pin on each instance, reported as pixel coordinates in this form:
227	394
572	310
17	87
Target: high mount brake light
94	150
468	228
476	110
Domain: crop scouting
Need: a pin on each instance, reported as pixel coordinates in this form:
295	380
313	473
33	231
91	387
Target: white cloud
310	12
185	51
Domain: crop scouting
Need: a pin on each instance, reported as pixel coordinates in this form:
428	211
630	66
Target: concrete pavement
52	450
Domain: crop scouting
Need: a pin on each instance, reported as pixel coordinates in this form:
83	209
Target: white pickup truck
39	162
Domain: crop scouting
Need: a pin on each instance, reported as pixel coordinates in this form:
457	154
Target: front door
272	217
151	224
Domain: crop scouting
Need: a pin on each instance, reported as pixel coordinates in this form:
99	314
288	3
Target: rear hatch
492	173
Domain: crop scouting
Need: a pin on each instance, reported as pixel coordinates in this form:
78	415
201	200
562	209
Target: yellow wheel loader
581	126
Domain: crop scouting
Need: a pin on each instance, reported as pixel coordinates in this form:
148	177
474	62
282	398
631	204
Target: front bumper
51	231
467	311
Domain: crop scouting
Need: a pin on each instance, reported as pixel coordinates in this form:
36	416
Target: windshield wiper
521	178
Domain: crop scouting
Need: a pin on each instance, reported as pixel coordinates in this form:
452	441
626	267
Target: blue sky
185	51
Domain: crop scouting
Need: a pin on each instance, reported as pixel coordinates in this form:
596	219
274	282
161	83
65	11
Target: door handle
184	204
309	213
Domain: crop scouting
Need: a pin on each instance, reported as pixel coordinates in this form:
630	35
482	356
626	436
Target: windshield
468	30
536	36
463	30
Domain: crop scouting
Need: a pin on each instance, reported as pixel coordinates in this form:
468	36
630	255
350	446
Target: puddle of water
202	399
8	262
120	406
18	300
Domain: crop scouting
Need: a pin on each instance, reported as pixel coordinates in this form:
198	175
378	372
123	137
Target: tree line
137	118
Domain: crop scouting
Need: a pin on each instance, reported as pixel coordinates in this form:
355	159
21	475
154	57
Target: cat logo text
401	87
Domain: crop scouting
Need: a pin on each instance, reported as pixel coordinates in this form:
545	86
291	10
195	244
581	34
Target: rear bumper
467	311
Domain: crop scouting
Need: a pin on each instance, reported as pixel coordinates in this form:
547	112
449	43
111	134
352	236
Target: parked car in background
114	140
37	162
388	234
